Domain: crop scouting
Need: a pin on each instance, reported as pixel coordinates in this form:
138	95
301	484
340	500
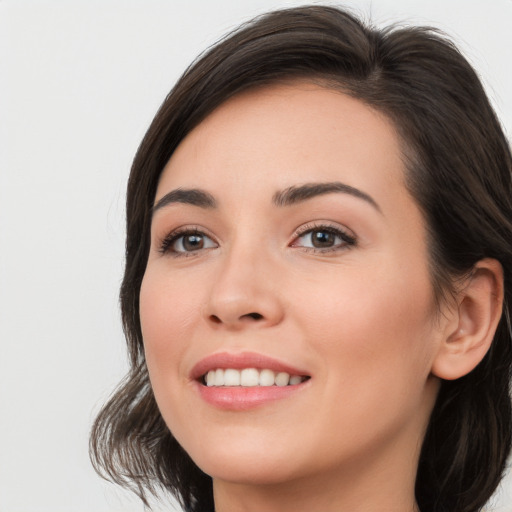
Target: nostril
215	319
248	316
254	316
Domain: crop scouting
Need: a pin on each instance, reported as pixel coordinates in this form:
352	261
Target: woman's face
284	240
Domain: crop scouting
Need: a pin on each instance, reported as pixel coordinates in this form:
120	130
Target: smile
250	377
247	380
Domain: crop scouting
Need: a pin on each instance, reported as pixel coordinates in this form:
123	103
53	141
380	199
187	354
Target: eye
186	241
323	238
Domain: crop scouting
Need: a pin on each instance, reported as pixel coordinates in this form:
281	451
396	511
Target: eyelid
164	244
348	236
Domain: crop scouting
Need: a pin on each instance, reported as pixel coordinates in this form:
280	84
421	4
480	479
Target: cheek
375	339
376	323
167	312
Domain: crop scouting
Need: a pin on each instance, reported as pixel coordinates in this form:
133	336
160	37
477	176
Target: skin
360	318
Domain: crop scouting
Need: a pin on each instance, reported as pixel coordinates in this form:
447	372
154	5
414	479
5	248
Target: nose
245	294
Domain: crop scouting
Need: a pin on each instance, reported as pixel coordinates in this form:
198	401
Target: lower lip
238	398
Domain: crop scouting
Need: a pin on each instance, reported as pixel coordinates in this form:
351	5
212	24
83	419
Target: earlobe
479	308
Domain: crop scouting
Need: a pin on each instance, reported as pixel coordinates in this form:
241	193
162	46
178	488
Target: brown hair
459	171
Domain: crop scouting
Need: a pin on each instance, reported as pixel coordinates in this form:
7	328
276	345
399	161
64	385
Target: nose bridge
244	290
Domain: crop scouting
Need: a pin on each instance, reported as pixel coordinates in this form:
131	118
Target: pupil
323	239
193	242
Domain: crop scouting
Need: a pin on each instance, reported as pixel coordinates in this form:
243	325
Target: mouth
244	381
250	377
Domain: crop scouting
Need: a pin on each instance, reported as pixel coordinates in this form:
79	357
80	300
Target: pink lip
240	361
238	398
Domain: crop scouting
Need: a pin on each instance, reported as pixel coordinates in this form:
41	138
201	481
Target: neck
382	487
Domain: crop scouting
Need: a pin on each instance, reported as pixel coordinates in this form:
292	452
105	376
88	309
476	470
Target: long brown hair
459	171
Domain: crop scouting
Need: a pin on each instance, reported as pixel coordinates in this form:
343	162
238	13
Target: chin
242	470
245	459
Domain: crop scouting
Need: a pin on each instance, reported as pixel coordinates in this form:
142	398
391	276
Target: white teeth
295	379
250	377
282	379
231	377
267	378
210	378
219	377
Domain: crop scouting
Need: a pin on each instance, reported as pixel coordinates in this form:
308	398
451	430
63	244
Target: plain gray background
79	83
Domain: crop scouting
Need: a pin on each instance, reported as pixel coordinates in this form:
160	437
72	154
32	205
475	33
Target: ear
469	335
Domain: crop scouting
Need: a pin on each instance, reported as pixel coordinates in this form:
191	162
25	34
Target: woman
318	278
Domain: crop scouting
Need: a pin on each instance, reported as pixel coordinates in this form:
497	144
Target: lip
239	398
240	361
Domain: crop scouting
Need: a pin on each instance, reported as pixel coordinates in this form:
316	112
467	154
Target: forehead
278	136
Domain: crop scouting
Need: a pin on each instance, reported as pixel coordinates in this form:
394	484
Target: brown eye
324	238
186	242
191	242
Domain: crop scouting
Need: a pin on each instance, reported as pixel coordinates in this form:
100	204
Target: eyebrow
287	197
192	196
299	193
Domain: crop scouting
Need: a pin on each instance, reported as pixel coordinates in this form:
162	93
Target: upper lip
240	361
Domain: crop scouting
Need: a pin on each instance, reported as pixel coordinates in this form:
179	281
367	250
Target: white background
79	83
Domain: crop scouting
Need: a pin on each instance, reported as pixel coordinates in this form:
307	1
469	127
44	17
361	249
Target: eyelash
349	240
165	246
